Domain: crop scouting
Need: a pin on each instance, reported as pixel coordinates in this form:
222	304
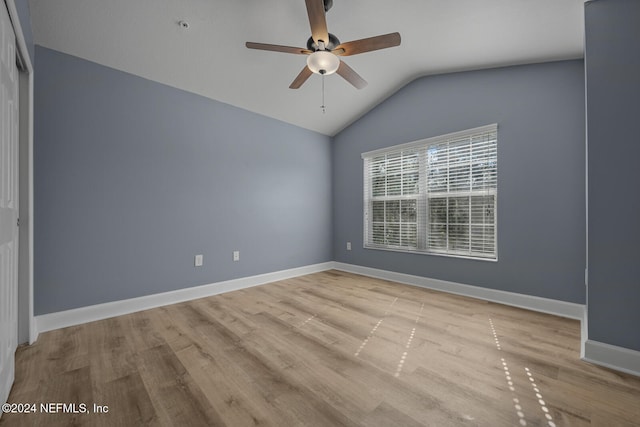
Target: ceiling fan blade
278	48
317	20
301	78
368	44
351	76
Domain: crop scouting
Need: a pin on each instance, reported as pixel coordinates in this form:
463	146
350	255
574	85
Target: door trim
25	140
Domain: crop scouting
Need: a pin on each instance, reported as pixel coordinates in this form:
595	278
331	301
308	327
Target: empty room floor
327	349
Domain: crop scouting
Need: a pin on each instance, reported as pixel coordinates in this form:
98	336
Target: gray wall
612	62
134	178
541	167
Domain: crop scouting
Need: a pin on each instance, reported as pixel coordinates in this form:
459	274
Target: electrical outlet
198	261
236	255
348	246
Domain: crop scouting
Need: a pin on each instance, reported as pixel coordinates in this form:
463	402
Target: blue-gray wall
134	178
612	62
539	110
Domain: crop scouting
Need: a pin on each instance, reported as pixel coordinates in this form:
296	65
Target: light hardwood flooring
327	349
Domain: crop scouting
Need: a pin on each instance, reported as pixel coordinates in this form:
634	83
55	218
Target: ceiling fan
323	48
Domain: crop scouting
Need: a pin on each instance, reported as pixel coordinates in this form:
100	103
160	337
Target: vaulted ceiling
145	38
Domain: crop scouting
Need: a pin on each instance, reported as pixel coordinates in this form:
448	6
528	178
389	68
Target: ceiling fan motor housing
327	5
328	45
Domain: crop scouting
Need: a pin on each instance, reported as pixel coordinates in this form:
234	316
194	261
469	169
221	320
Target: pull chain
324	109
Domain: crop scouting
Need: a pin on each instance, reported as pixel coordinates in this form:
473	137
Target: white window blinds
437	195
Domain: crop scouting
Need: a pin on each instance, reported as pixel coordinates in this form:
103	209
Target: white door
8	204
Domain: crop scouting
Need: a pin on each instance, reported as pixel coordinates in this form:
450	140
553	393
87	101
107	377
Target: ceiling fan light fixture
323	62
323	48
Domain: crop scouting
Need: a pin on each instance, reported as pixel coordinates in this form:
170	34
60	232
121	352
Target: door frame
27	330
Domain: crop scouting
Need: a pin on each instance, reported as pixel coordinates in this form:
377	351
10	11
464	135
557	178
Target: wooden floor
327	349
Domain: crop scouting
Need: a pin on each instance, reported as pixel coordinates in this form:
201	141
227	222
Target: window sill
439	254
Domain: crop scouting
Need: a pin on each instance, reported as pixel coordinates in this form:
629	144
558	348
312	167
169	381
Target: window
437	195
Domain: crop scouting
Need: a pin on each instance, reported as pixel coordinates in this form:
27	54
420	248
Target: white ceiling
209	58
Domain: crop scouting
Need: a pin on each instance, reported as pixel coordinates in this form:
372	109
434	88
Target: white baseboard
611	356
544	305
77	316
607	355
584	332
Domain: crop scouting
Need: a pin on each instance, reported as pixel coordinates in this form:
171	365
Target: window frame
423	198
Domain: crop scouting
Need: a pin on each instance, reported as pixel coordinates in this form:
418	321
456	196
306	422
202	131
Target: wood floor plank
175	396
326	349
314	367
219	355
269	366
71	388
221	388
386	415
142	332
110	353
129	403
